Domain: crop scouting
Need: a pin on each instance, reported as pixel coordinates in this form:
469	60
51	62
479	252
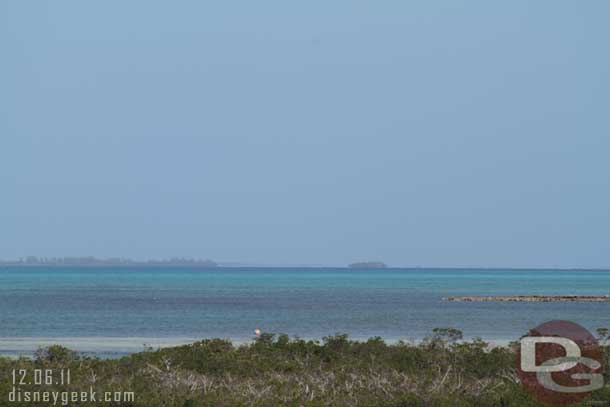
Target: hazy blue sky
320	132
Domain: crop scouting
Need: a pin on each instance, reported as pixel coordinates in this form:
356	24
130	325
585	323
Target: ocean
115	311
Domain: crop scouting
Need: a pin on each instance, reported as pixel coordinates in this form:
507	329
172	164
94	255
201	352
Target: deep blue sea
119	310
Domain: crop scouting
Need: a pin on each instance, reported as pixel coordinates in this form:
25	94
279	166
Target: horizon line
222	265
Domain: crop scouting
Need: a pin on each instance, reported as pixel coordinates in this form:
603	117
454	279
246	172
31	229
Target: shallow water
117	310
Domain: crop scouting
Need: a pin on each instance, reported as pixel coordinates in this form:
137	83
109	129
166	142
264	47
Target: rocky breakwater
531	298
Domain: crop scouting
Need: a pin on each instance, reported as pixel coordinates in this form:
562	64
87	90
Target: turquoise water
177	305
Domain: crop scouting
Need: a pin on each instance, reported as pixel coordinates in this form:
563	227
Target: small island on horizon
368	265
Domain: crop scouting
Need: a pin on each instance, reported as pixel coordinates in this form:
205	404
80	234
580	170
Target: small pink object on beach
257	332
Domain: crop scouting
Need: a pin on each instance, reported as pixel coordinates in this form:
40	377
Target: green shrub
277	371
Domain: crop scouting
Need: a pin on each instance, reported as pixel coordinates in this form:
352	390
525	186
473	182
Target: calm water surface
118	307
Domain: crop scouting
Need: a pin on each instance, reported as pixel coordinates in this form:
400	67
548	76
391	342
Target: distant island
368	265
90	261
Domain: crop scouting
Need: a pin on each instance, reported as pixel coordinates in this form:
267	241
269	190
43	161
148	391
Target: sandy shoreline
112	347
94	345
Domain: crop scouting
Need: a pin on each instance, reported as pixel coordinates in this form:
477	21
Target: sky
444	133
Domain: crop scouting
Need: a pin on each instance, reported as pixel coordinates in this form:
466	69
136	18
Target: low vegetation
278	371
